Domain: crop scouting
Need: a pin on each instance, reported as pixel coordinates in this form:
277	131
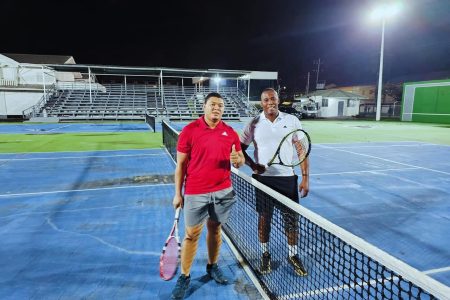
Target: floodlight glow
217	79
386	10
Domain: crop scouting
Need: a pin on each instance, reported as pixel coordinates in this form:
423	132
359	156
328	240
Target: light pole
383	12
380	73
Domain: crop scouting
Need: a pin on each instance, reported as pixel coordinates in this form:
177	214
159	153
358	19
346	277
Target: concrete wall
332	110
13	103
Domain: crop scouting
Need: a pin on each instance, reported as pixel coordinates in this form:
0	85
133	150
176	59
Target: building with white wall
24	80
336	103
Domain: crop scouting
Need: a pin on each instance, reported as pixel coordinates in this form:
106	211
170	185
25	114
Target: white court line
387	144
365	171
385	159
67	211
86	190
440	270
353	285
80	151
382	146
58	128
44	131
86	156
334	289
120	249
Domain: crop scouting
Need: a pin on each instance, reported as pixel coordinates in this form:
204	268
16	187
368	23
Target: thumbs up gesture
234	157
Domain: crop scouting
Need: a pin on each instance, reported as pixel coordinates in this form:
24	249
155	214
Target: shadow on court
92	225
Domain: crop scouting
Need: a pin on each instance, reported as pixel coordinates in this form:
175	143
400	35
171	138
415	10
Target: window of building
324	102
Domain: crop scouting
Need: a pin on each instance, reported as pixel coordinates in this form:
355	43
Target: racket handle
177	213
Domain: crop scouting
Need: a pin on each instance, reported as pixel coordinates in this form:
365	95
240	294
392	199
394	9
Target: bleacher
132	102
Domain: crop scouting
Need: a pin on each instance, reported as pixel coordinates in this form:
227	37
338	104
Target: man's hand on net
259	168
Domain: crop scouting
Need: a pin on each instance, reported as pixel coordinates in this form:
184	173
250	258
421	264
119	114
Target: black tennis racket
168	262
293	149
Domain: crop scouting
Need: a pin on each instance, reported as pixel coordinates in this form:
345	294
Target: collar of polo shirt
206	126
280	116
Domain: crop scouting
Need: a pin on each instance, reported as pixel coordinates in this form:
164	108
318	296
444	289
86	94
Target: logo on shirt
224	133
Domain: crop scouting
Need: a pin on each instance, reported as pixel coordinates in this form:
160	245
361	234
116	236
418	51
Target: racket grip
177	213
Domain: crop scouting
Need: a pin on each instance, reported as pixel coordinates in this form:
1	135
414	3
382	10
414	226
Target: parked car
290	110
309	111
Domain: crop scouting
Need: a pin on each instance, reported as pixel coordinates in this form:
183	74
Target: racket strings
293	149
301	148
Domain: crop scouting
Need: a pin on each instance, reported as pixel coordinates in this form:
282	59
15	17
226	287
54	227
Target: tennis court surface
91	224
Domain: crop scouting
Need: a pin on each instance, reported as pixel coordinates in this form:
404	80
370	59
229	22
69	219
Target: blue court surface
92	224
72	128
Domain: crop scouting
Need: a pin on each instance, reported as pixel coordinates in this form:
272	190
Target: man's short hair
269	90
213	94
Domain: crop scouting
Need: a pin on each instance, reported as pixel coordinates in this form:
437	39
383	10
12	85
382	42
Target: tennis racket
293	149
168	262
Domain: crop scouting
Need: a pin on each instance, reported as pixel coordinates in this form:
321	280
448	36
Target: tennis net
151	121
339	264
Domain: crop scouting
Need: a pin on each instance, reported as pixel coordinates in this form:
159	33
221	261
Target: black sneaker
265	263
215	273
181	287
298	265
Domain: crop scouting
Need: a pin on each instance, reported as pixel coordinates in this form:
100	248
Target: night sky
284	36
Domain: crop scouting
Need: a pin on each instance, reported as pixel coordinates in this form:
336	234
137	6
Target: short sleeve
237	143
184	144
247	134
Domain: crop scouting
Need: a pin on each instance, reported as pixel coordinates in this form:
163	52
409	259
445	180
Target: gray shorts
216	204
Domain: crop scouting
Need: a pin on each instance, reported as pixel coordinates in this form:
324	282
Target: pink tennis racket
170	256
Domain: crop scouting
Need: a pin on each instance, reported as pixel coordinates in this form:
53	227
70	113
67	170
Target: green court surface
15	143
349	131
321	131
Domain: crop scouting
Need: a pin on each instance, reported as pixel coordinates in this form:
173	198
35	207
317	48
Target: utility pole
307	85
318	63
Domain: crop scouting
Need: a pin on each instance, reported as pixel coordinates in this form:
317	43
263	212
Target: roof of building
336	93
40	59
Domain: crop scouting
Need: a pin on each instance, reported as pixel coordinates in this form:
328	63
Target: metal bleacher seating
132	102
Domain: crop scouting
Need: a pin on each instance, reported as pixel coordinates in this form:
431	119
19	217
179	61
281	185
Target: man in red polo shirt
206	149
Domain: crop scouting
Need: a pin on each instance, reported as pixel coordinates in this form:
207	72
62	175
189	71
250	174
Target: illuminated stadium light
383	12
217	81
386	10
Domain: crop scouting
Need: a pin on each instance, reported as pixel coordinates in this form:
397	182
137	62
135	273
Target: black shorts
285	185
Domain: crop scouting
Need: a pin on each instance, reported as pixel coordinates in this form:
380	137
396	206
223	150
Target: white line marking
382	146
334	289
80	157
365	171
66	211
385	159
87	190
246	267
58	128
434	271
426	114
83	151
120	249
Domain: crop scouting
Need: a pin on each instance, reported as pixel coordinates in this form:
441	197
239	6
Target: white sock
265	247
292	250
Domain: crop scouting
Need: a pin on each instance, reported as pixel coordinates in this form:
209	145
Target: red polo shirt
208	150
